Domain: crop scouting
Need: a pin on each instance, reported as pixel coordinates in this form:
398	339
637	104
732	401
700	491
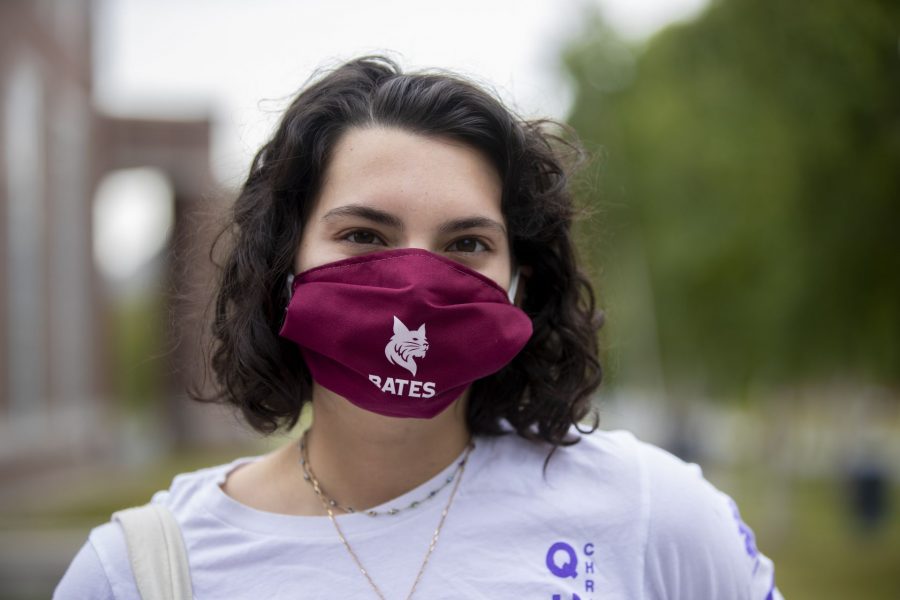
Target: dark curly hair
547	387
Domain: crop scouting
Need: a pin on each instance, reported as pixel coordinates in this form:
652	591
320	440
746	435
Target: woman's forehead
406	173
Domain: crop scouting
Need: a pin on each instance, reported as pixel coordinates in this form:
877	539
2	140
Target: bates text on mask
404	387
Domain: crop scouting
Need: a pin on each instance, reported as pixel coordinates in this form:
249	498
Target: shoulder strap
157	553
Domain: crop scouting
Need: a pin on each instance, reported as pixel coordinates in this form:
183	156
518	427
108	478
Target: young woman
402	260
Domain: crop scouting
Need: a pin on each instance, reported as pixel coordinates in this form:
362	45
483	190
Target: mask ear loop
514	286
289	290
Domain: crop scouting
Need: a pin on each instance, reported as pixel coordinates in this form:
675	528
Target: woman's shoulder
604	465
697	544
189	488
600	456
604	457
101	569
691	535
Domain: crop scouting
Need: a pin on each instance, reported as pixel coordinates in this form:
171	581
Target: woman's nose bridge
419	241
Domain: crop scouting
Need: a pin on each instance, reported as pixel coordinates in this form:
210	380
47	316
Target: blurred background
741	209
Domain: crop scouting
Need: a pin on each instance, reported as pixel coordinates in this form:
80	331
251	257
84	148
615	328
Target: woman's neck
362	459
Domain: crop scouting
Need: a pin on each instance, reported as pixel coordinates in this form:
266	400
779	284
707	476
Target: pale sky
239	61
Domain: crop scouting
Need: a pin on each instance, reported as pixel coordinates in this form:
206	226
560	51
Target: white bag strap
157	553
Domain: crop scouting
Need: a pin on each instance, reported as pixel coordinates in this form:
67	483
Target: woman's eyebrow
364	212
471	223
385	218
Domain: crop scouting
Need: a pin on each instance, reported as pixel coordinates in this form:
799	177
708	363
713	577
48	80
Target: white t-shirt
612	518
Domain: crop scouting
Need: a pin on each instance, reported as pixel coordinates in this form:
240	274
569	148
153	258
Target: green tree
752	158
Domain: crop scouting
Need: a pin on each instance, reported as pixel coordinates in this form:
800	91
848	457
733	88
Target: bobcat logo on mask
405	345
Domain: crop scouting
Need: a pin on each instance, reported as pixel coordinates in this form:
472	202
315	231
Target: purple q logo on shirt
567	568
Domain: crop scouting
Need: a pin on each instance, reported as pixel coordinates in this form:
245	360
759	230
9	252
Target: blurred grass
137	337
92	501
806	529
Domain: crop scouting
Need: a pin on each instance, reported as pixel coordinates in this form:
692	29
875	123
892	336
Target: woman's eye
363	237
467	245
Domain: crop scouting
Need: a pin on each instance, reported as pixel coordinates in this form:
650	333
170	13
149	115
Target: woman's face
386	188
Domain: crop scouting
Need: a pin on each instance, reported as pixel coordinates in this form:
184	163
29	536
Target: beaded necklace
309	477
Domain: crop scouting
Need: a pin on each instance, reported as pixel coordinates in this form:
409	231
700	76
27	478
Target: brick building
55	147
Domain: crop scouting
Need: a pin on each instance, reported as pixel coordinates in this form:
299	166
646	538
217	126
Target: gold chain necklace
434	538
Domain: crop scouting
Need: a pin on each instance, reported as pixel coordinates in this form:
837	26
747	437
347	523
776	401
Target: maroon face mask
404	332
